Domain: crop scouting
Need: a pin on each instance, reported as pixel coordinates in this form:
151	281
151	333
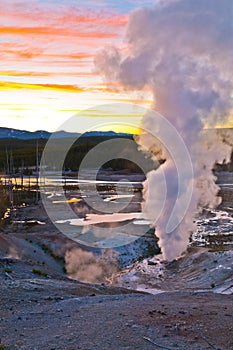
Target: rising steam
182	50
86	267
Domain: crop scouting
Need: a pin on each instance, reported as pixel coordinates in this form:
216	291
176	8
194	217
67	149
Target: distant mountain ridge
9	133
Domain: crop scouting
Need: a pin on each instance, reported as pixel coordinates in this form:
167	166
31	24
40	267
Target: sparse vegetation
8	270
52	254
39	272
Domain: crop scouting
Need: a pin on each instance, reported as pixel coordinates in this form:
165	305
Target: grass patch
52	254
40	273
8	270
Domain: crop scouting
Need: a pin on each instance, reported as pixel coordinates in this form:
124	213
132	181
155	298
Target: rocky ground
52	314
41	308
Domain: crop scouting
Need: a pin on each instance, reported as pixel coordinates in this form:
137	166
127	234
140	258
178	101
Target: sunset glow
47	50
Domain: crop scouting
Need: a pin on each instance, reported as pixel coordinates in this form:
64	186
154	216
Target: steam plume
182	50
86	267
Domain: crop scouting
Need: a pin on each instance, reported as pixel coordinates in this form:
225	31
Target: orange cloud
48	46
22	53
67	15
57	87
51	35
56	31
11	73
97	19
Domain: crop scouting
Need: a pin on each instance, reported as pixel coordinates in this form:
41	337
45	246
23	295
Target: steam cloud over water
182	50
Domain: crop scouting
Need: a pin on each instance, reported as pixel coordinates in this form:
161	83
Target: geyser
183	51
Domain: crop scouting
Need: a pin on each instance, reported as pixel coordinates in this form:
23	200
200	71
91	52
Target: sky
47	52
47	49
